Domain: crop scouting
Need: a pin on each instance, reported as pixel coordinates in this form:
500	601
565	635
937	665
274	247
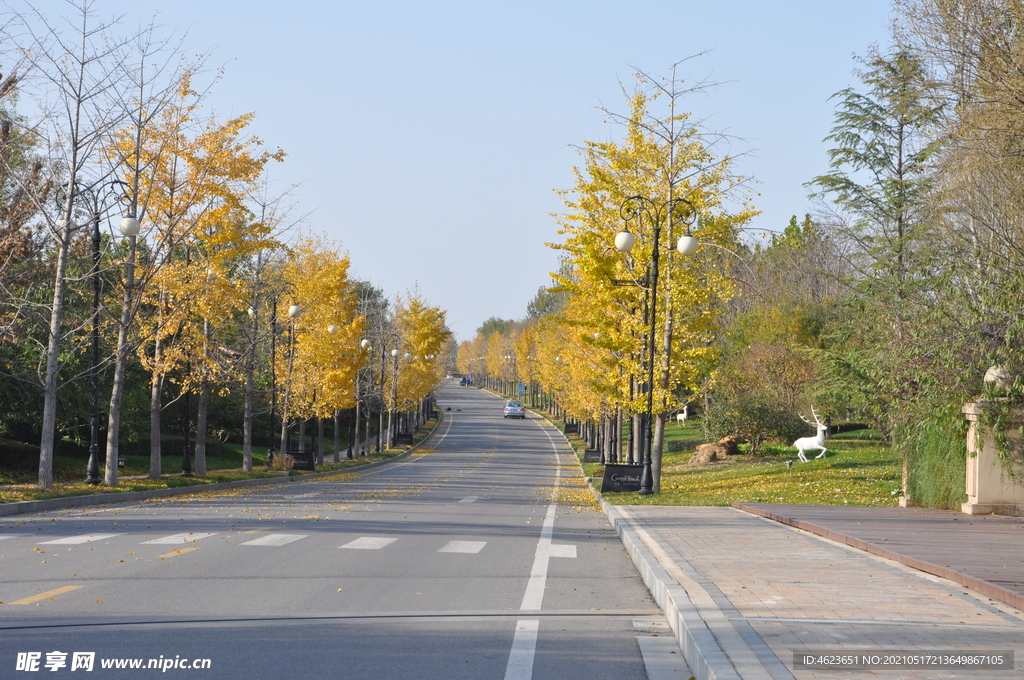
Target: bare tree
73	68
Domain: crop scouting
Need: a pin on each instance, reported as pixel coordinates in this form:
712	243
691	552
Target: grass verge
859	469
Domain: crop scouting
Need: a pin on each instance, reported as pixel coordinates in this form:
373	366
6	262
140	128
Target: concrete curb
700	648
20	507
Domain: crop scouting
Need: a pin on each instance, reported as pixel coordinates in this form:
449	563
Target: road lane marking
471	547
301	495
662	658
9	536
76	540
275	539
534	595
524	646
175	553
48	594
369	543
189	537
469	499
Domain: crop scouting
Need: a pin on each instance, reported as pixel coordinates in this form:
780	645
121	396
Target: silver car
515	409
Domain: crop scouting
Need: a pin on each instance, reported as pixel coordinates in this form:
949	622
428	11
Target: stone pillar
991	488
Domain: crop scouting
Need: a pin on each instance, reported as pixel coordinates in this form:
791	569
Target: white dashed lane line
369	543
76	540
179	538
275	540
471	547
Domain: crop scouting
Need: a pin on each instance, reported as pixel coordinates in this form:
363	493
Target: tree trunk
659	441
319	441
201	420
355	433
155	410
46	443
247	420
337	435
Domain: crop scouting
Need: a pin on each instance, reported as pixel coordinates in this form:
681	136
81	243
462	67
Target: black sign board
592	456
402	438
433	414
621	478
572	428
304	461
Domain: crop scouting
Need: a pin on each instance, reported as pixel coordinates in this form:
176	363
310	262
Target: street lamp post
95	195
294	311
639	207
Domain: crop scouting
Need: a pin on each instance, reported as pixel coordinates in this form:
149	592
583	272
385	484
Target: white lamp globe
294	311
687	245
394	353
332	329
364	343
129	226
624	241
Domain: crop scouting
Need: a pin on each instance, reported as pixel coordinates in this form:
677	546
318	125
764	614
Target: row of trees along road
884	307
218	297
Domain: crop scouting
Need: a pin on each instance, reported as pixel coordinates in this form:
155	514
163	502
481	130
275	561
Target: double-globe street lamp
639	208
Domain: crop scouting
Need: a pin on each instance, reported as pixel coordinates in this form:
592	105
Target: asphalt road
455	563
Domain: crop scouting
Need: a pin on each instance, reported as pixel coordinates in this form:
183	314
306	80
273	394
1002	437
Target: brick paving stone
799	591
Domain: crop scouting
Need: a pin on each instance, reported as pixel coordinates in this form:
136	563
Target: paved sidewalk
744	593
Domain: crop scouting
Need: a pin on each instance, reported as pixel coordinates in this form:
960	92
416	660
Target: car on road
515	409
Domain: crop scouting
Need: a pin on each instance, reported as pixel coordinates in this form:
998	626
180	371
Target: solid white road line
75	540
470	499
369	543
275	539
471	547
189	537
524	645
662	658
539	573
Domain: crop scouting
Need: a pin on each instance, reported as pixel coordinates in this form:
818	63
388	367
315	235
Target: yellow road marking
175	553
47	594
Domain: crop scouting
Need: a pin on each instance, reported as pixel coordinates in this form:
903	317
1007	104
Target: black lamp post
95	194
639	207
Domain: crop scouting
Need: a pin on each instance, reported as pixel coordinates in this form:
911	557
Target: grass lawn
17	484
858	469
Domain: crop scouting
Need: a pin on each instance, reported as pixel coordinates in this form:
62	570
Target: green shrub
937	453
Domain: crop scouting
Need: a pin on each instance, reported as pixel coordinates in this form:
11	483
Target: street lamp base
646	492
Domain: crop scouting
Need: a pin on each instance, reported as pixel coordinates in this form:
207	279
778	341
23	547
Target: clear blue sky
429	137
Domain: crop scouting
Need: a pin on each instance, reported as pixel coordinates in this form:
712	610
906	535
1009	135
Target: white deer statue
805	444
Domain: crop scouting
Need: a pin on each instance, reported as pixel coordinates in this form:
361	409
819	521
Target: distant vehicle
515	409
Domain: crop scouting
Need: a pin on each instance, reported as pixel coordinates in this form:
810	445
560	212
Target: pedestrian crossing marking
48	594
179	538
77	540
369	543
469	547
275	539
175	553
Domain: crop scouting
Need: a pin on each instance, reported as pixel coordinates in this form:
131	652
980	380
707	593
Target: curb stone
20	507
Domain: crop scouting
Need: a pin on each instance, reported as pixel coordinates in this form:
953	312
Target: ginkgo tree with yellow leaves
602	334
422	357
193	201
322	356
